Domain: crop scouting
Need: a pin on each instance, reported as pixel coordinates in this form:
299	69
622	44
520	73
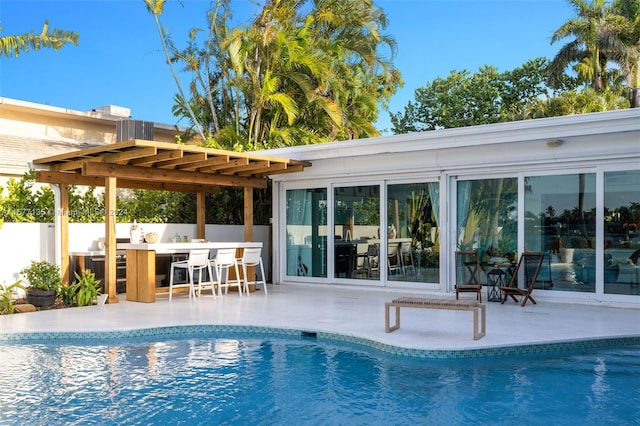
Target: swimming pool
253	379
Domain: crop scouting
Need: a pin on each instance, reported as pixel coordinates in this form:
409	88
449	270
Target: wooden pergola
141	164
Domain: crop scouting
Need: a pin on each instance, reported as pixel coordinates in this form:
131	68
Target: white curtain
464	198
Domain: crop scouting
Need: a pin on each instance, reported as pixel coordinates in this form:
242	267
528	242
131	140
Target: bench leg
388	328
483	322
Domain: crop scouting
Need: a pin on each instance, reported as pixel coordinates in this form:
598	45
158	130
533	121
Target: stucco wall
20	243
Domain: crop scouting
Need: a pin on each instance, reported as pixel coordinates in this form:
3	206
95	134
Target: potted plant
84	291
45	282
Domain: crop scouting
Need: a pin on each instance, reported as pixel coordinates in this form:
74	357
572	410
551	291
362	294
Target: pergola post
201	214
248	213
110	239
63	217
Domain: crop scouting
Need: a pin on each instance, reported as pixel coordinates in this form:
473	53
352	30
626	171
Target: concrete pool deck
349	311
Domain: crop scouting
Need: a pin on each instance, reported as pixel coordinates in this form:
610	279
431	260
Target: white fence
20	243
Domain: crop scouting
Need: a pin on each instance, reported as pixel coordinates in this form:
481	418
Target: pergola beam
44	176
163	175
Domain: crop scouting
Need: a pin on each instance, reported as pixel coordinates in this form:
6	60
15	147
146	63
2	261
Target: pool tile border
167	331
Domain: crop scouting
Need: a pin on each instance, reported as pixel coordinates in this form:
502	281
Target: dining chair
361	261
467	273
373	260
198	261
225	260
394	259
406	256
252	257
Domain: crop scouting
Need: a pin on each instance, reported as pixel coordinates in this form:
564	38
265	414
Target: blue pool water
276	380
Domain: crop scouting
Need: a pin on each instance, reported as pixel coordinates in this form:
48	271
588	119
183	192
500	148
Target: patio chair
373	260
362	261
394	259
529	266
468	273
251	257
197	262
225	260
407	259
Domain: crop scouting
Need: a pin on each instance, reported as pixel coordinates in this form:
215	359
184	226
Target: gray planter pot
41	298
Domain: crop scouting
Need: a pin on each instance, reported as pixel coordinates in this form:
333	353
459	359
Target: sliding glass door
356	244
413	234
560	221
306	232
621	238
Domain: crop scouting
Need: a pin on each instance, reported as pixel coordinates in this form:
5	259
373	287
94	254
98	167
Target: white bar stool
252	257
198	261
225	259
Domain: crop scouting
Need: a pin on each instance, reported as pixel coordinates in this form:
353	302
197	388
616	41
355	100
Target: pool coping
194	330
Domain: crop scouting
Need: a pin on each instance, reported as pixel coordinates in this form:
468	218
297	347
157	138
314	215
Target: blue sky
119	59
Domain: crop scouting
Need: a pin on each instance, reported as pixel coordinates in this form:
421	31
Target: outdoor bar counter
141	263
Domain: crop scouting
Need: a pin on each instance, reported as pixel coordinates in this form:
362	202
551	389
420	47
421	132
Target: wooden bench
419	302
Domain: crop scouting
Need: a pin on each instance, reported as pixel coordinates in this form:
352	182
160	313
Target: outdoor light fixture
552	143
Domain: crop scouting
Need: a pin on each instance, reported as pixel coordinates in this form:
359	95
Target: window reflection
357	232
487	219
307	232
621	238
560	221
413	252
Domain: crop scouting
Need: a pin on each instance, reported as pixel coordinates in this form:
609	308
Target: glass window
487	219
560	221
307	232
621	238
356	232
413	233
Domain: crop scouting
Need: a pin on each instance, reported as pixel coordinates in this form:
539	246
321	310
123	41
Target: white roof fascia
542	129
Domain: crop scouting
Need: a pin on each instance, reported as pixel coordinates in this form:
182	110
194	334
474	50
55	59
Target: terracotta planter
41	298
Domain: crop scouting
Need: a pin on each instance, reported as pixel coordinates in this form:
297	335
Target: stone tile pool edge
253	331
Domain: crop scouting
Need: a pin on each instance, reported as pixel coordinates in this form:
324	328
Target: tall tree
599	37
13	45
303	71
465	99
630	10
574	102
156	8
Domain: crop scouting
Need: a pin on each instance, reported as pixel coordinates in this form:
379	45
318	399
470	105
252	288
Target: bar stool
224	260
251	257
198	261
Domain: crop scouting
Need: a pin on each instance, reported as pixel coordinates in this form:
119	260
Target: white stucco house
392	211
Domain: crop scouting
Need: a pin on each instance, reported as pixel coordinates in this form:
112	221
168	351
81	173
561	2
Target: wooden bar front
141	264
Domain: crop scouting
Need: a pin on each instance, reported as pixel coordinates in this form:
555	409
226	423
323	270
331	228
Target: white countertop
170	247
185	247
87	253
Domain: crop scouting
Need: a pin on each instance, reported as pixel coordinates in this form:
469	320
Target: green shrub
43	275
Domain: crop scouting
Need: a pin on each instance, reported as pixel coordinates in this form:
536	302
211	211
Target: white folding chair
252	257
224	260
198	261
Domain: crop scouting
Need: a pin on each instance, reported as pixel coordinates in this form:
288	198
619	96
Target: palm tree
13	45
156	8
303	71
630	10
599	38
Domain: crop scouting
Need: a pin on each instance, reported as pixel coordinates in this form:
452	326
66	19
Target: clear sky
119	59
